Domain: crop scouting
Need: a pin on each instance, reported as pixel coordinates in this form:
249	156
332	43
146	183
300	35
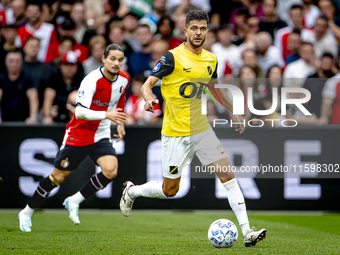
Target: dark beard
195	46
20	17
112	73
327	74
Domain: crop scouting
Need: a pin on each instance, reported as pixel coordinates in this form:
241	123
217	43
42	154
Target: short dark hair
115	4
35	2
32	38
243	11
196	15
296	31
67	38
327	55
324	17
132	15
172	23
10	26
15	52
295	6
112	47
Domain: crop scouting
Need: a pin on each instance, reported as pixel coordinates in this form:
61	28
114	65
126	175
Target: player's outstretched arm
147	94
226	102
116	115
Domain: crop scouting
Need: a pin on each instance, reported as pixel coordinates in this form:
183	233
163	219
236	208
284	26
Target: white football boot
252	237
73	209
126	202
25	222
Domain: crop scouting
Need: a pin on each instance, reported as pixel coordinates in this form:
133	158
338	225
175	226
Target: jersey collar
191	53
100	68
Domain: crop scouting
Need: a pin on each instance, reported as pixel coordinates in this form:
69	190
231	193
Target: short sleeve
214	76
86	92
53	81
164	66
329	89
31	82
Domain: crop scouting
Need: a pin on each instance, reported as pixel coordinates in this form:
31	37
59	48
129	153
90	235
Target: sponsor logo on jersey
157	67
173	170
65	163
187	69
209	70
97	102
80	93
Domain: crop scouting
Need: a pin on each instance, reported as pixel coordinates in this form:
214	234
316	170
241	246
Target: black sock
97	182
43	191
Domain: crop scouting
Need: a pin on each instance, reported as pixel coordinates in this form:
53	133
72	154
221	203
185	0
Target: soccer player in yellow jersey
185	130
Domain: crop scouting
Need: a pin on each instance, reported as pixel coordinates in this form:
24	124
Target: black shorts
69	157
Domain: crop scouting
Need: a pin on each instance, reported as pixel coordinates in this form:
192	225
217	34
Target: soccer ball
222	233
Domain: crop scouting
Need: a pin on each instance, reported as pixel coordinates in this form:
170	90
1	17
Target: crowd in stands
47	47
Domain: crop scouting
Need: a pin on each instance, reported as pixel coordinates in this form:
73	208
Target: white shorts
178	152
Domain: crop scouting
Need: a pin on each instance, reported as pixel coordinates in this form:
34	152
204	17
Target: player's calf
170	192
170	187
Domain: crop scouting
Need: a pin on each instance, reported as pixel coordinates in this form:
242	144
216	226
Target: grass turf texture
164	233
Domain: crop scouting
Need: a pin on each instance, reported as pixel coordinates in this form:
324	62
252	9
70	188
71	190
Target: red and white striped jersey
98	94
48	36
6	17
281	39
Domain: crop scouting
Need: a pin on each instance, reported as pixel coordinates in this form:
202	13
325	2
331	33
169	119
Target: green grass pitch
107	232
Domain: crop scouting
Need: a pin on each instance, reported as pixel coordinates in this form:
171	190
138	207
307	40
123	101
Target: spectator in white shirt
330	105
248	57
226	52
323	39
296	73
283	7
267	54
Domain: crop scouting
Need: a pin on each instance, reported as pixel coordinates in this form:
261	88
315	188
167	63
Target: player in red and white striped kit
100	100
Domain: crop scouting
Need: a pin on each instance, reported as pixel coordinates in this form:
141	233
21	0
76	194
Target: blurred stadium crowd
47	47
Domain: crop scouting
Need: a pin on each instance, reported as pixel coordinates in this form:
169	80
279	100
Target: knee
170	192
58	176
110	173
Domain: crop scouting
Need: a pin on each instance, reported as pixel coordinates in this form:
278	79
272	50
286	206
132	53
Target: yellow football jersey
183	75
